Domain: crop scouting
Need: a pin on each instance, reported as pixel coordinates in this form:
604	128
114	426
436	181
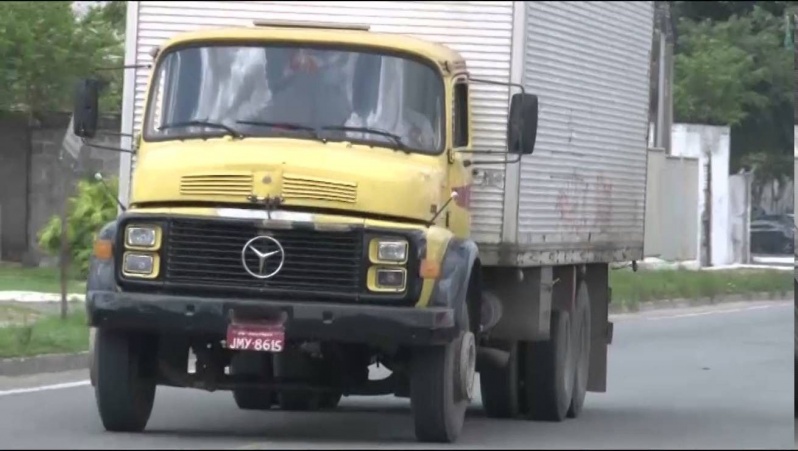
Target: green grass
630	288
14	277
48	334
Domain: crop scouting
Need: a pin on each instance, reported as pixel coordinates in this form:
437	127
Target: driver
308	87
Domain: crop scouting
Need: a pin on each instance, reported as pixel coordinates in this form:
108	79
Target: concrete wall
711	146
34	180
671	207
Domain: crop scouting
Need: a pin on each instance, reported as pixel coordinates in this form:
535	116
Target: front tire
125	379
441	386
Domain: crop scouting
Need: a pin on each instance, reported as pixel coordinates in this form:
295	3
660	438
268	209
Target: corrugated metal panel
582	194
481	31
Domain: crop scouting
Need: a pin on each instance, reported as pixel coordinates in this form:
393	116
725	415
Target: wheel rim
468	358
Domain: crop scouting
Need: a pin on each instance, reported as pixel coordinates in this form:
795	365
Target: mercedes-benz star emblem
264	247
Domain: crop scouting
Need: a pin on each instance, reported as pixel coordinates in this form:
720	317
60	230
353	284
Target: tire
297	367
329	401
259	368
499	387
126	380
92	366
549	372
581	335
438	407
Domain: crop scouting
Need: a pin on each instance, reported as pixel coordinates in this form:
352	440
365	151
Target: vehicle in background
773	234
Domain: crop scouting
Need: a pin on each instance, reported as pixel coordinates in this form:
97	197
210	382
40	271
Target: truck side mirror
85	112
522	125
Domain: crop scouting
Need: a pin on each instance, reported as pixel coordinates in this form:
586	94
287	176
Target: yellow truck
438	189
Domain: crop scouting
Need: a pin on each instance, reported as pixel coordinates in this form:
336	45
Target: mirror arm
127	66
489	163
498	83
112	149
126	135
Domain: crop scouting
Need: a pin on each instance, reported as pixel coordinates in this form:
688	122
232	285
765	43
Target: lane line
715	312
20	391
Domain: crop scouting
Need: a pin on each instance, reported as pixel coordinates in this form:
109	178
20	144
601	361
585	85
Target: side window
460	119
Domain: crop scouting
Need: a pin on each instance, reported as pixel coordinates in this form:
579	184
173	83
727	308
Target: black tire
581	333
499	387
549	372
297	367
329	401
438	410
125	380
257	367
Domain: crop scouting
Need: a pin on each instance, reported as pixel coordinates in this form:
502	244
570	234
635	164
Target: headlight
390	251
142	237
389	279
139	265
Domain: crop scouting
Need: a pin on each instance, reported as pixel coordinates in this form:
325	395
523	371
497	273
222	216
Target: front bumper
346	323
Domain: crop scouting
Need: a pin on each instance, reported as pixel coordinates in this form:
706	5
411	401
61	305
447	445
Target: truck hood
339	176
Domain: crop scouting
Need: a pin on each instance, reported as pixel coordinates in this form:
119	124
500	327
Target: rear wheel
581	347
252	367
499	387
125	379
297	367
442	386
549	372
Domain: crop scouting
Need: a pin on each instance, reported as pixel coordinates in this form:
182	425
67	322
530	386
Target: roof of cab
387	41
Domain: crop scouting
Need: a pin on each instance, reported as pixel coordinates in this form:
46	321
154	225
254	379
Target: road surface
718	377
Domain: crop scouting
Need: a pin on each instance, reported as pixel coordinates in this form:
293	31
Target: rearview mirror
85	112
522	125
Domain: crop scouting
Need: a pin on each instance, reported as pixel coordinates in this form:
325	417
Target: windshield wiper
288	125
343	128
199	123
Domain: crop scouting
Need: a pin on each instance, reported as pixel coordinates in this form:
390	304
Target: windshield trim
363	48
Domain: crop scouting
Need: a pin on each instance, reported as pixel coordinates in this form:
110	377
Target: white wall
709	143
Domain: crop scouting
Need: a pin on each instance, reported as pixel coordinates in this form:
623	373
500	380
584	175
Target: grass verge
15	277
630	288
44	333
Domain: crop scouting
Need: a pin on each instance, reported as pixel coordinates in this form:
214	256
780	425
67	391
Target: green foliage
45	49
732	67
89	210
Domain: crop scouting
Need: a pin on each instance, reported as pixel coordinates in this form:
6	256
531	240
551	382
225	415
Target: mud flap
597	278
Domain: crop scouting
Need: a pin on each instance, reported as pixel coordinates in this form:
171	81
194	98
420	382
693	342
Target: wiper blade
235	133
398	139
288	125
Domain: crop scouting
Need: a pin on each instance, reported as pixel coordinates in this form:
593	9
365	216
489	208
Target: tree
732	67
45	49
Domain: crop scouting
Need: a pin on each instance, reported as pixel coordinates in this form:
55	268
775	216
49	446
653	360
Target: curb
617	309
51	363
55	363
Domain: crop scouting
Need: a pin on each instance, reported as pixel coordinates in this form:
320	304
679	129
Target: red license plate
255	337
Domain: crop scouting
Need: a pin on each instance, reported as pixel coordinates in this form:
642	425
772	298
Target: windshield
302	92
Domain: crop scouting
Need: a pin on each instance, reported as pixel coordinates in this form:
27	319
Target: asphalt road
717	377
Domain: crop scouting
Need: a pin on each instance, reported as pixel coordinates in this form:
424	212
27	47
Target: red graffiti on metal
581	203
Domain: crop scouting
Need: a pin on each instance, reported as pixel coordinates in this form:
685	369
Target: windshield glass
302	92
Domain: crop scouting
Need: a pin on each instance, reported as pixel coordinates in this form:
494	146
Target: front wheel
125	379
442	386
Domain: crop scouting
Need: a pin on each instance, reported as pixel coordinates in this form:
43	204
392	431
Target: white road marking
715	312
20	391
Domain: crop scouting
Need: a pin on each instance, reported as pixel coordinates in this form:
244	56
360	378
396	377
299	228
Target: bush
89	210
